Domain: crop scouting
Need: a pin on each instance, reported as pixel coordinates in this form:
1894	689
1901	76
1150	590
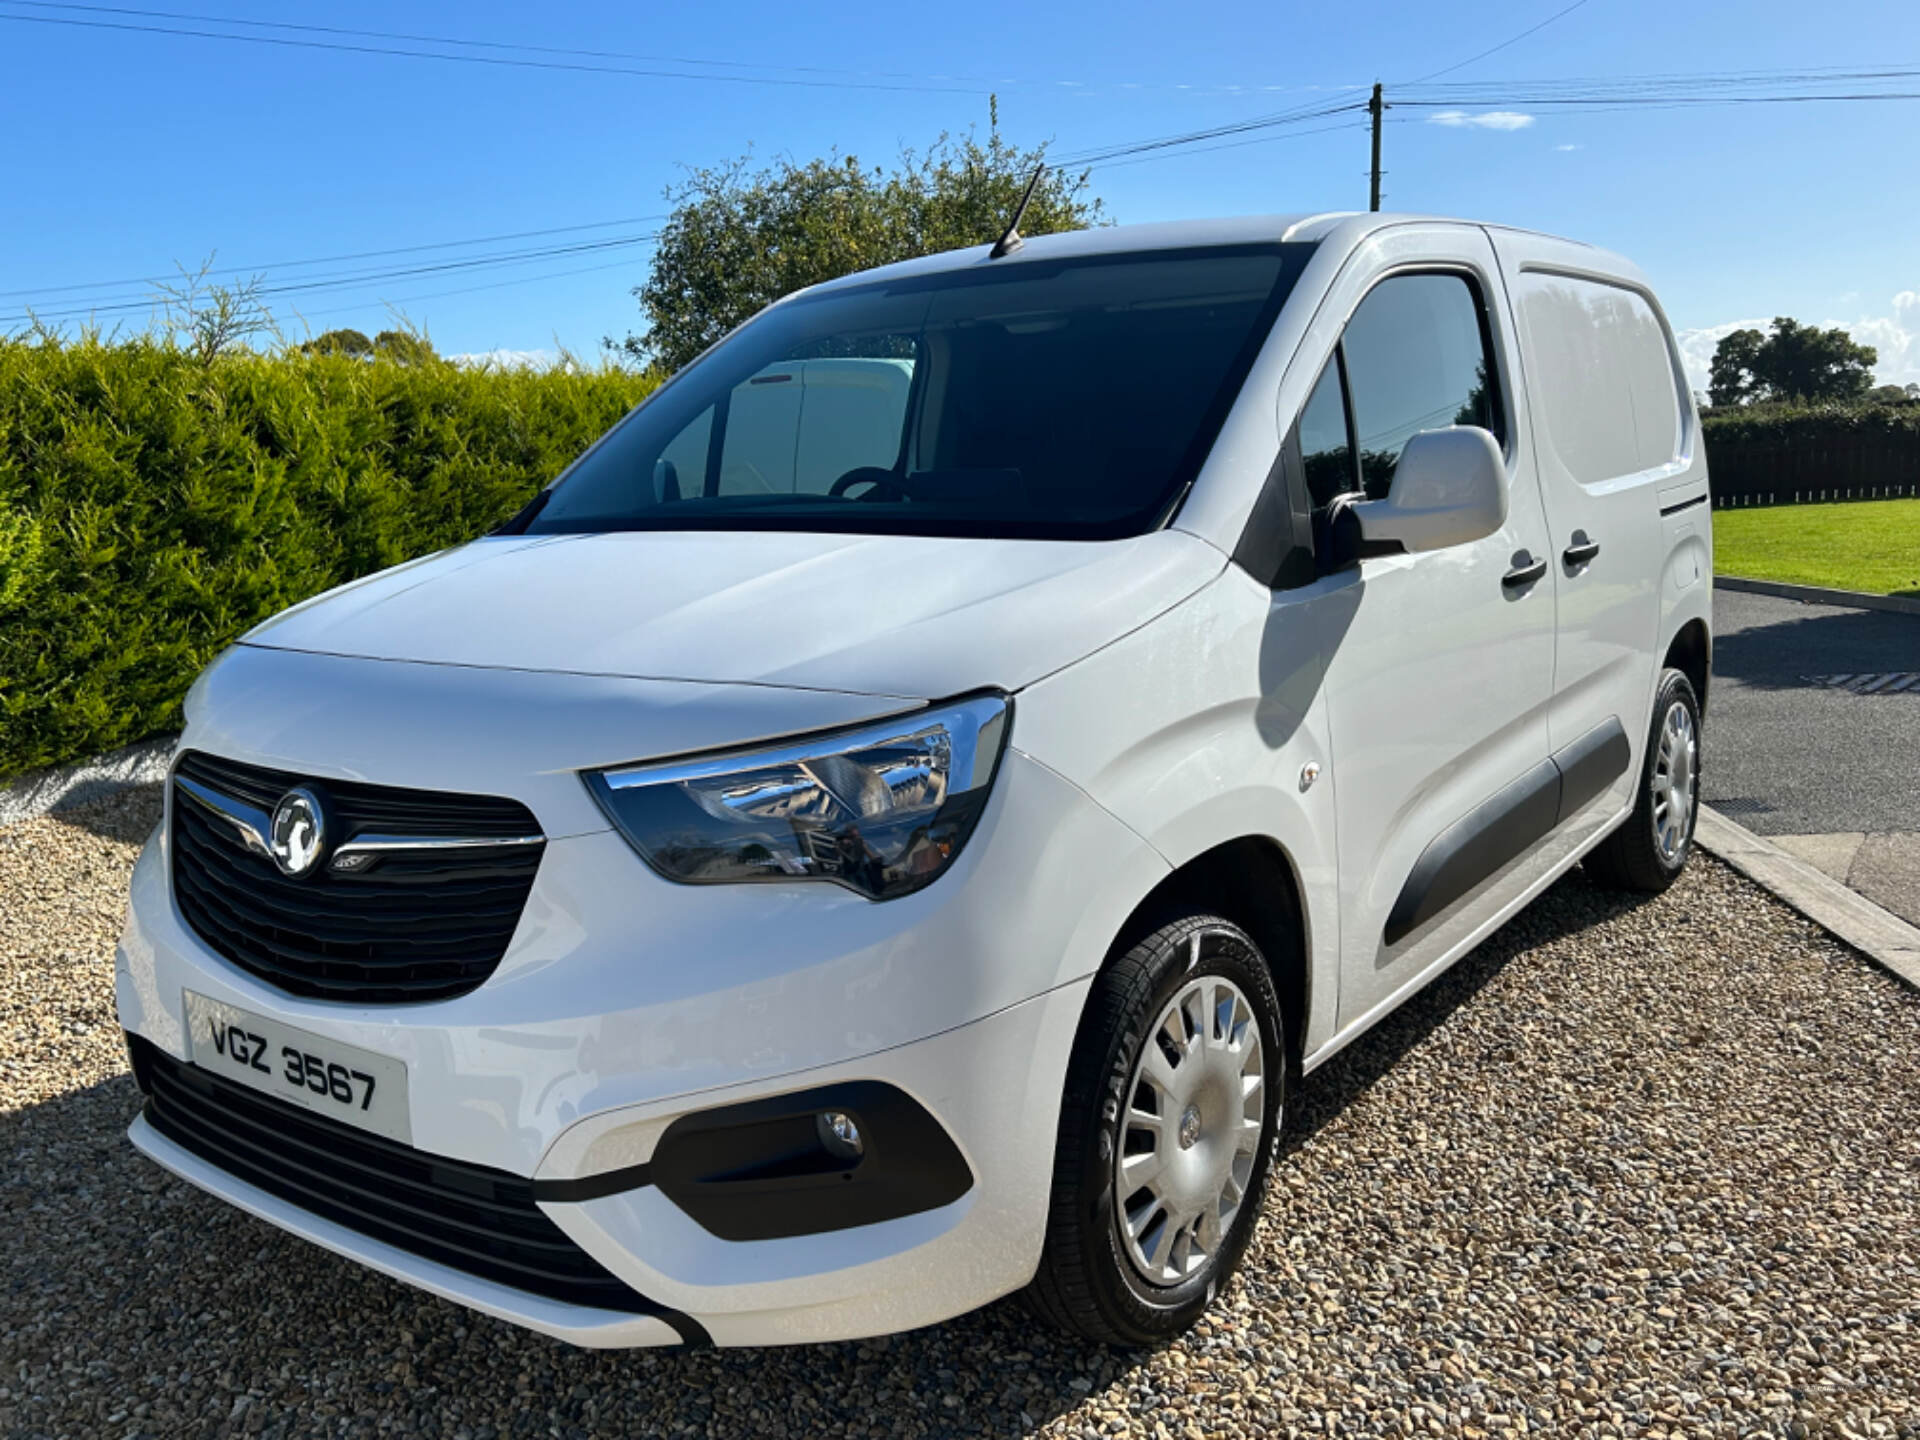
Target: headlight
883	809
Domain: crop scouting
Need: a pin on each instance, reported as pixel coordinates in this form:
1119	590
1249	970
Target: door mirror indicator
1449	488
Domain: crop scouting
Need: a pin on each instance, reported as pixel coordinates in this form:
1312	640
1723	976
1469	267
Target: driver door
1439	688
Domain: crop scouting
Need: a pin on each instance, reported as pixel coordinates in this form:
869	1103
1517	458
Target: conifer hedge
153	506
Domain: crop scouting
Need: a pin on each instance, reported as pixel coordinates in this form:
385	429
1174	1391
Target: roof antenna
1011	241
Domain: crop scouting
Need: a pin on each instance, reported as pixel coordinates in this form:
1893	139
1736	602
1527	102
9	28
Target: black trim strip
592	1187
758	1170
693	1335
1590	764
1489	836
1676	508
1504	826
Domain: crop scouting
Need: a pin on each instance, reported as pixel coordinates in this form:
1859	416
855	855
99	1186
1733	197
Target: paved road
1787	756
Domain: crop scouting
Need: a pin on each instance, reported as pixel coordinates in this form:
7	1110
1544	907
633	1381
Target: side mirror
1449	487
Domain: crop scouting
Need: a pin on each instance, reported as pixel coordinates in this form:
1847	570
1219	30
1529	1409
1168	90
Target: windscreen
1067	399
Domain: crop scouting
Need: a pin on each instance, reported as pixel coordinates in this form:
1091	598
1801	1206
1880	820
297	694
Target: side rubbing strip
1494	832
1590	764
1678	506
1500	829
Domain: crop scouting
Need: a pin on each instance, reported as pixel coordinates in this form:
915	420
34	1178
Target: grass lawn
1871	545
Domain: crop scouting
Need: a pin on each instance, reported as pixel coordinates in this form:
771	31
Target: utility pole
1377	108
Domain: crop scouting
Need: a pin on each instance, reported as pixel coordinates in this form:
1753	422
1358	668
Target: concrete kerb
1880	935
98	779
1817	595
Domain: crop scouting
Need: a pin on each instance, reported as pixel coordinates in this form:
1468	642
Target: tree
340	342
738	239
408	347
1793	362
1734	378
210	320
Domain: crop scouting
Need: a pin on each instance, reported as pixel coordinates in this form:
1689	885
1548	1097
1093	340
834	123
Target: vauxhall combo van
896	821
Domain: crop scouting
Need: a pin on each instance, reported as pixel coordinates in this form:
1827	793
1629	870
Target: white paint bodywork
1164	702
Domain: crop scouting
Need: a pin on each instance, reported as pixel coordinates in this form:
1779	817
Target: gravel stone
1634	1168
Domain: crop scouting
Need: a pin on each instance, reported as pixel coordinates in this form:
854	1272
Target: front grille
469	1217
414	926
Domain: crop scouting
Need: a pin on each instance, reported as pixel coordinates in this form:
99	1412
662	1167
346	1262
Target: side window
852	416
681	470
1326	454
800	425
1417	359
763	423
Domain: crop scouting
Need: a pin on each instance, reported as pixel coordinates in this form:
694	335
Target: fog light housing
854	1153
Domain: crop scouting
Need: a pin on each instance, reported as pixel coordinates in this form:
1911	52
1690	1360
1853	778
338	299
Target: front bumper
624	1002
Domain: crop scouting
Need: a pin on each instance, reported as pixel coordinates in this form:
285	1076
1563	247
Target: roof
1114	239
1352	226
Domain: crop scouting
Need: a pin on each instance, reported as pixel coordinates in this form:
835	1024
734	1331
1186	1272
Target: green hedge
153	508
1810	424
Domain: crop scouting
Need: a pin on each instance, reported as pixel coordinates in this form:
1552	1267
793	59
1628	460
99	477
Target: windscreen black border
1166	503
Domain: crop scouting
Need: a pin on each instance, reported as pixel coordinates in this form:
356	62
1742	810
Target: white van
894	823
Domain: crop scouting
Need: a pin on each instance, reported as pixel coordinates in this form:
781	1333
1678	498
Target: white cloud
1895	335
1696	347
509	359
1565	149
1484	120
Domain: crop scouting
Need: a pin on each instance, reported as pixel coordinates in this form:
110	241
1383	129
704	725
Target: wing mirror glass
1450	487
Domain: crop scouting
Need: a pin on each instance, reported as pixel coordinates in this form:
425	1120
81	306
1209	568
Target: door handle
1581	551
1525	571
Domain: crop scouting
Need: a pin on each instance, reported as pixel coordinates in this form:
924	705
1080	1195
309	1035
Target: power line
1228	145
1092	158
102	285
509	45
504	61
1593	104
465	289
946	83
1496	49
1694	79
349	279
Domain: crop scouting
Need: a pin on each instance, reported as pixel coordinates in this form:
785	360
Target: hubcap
1675	767
1196	1110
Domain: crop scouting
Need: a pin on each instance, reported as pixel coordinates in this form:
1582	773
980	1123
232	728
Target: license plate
343	1082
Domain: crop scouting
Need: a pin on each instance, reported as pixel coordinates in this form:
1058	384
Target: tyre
1648	852
1175	1093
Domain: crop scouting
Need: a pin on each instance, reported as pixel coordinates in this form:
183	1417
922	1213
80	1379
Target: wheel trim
1676	769
1191	1131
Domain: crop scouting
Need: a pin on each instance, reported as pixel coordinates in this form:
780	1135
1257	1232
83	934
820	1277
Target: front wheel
1174	1096
1650	850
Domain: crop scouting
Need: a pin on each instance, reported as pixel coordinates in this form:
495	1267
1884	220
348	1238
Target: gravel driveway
1628	1170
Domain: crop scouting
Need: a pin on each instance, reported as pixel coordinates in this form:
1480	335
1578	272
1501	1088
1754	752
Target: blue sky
130	151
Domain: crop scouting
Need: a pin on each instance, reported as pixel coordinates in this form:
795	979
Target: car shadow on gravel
126	816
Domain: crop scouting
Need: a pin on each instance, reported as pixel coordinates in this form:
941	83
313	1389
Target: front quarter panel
1197	729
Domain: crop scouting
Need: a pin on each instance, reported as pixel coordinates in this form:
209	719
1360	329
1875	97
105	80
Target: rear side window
1416	359
1599	359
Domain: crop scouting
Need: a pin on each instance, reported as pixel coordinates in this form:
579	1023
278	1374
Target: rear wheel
1650	850
1174	1096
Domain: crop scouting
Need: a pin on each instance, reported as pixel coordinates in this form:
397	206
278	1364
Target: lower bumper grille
468	1217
